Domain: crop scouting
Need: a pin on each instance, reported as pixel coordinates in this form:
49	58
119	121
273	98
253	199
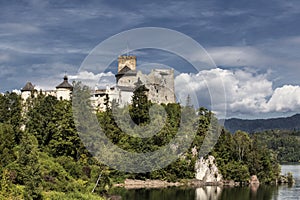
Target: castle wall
98	97
49	93
127	81
125	98
160	83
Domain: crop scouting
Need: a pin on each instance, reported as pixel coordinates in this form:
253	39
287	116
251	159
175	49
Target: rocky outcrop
207	171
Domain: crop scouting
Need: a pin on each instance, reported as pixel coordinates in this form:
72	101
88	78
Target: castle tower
27	91
128	62
126	75
64	90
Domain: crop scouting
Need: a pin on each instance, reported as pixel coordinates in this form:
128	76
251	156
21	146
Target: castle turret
27	91
64	90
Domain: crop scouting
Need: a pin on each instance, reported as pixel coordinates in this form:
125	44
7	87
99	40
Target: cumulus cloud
95	80
284	99
247	93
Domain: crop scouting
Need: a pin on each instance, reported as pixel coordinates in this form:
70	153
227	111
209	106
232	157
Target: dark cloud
39	39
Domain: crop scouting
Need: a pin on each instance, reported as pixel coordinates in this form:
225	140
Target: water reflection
203	193
261	192
254	192
208	193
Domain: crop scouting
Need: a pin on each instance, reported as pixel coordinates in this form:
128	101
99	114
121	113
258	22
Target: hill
257	125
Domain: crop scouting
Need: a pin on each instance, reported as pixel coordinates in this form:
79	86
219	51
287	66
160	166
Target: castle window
166	97
156	90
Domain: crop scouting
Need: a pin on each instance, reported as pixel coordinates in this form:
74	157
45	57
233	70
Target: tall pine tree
139	110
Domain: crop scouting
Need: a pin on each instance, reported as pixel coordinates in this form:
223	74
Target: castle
160	85
63	91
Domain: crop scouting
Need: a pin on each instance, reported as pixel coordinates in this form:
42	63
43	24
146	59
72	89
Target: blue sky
250	41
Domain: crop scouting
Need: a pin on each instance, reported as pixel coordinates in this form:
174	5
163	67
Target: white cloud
95	80
85	75
17	91
284	99
247	93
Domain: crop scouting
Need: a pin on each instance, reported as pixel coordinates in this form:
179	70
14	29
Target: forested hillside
258	125
285	144
47	159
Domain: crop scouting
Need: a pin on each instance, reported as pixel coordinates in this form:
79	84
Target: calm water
218	193
285	192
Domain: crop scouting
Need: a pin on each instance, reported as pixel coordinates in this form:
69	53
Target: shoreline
136	184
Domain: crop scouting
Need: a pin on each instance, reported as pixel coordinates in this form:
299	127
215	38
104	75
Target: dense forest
284	143
42	155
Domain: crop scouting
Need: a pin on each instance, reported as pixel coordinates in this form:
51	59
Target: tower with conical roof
27	91
64	90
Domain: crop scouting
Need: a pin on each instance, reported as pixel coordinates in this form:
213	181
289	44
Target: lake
285	192
220	193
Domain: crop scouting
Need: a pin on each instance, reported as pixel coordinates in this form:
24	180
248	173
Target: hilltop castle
160	85
63	91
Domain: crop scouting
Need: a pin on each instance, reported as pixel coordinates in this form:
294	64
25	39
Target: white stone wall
63	94
49	93
125	98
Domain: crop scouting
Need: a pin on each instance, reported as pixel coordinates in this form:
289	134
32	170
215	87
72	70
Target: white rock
206	170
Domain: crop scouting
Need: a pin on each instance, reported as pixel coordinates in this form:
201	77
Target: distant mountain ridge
256	125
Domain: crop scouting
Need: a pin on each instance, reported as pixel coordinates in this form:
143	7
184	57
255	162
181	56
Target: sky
254	44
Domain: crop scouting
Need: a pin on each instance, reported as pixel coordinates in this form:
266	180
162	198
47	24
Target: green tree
139	110
7	138
10	112
242	143
65	139
28	166
41	120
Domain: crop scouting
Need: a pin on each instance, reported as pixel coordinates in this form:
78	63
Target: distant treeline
259	125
